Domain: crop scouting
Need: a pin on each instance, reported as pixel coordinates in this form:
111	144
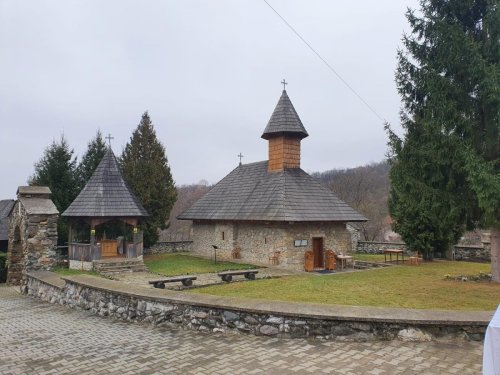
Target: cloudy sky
208	72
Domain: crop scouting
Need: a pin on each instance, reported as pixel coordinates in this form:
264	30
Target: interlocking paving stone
39	338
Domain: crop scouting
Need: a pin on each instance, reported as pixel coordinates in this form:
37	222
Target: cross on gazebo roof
109	138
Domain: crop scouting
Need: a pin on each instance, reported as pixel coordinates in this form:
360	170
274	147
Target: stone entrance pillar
32	233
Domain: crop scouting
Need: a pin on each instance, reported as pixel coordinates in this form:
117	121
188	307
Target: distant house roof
284	120
5	208
250	192
33	190
106	194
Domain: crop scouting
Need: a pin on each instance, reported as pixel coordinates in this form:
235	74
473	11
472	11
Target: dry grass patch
418	287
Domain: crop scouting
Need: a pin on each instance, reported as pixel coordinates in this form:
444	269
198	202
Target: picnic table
394	251
344	259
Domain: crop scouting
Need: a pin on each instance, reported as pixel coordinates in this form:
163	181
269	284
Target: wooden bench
186	281
227	276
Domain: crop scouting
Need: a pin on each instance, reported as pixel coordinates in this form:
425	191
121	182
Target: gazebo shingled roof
106	194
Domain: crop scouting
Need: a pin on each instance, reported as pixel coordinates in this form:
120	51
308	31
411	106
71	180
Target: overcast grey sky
208	72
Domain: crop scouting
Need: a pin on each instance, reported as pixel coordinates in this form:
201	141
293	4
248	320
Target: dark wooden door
318	252
109	248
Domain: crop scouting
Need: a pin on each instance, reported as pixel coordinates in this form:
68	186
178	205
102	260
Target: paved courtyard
39	338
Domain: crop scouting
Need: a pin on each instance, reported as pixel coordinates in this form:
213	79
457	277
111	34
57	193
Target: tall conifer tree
446	171
146	170
96	149
57	170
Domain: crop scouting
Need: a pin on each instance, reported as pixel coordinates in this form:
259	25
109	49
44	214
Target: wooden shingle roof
284	120
106	194
250	192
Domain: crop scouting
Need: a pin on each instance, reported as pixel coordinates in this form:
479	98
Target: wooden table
394	251
343	260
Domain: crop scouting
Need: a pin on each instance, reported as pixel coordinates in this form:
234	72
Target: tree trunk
495	253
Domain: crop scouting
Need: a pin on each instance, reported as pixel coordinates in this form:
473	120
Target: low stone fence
464	253
242	316
169	247
472	253
378	247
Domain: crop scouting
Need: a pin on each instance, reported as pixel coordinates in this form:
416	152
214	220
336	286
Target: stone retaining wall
169	247
464	253
378	247
472	253
219	315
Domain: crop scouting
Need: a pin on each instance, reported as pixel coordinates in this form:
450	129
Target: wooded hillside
365	189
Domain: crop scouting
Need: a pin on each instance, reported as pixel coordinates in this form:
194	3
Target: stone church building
272	211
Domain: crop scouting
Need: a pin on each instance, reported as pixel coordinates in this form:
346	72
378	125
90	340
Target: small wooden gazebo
104	218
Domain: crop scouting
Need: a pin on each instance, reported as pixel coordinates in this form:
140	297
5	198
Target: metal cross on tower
284	83
109	138
240	156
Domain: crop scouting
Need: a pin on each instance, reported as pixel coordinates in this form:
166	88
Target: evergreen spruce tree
96	149
145	168
445	172
57	170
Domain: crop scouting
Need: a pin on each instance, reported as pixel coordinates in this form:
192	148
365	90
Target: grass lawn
183	264
418	287
370	257
64	271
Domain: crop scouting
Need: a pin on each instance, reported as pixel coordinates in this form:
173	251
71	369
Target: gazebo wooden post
70	234
93	246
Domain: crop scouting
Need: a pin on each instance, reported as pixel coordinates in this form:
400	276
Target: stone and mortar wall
32	242
215	319
169	247
257	241
207	234
378	247
473	253
465	253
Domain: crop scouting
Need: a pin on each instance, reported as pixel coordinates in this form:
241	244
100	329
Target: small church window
265	240
222	235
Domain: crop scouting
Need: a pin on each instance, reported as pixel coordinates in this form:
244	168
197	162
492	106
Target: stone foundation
78	265
219	315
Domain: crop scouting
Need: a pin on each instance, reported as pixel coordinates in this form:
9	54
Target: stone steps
112	266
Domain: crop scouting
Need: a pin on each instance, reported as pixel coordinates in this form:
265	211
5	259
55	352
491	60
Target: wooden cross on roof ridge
284	83
109	138
240	156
